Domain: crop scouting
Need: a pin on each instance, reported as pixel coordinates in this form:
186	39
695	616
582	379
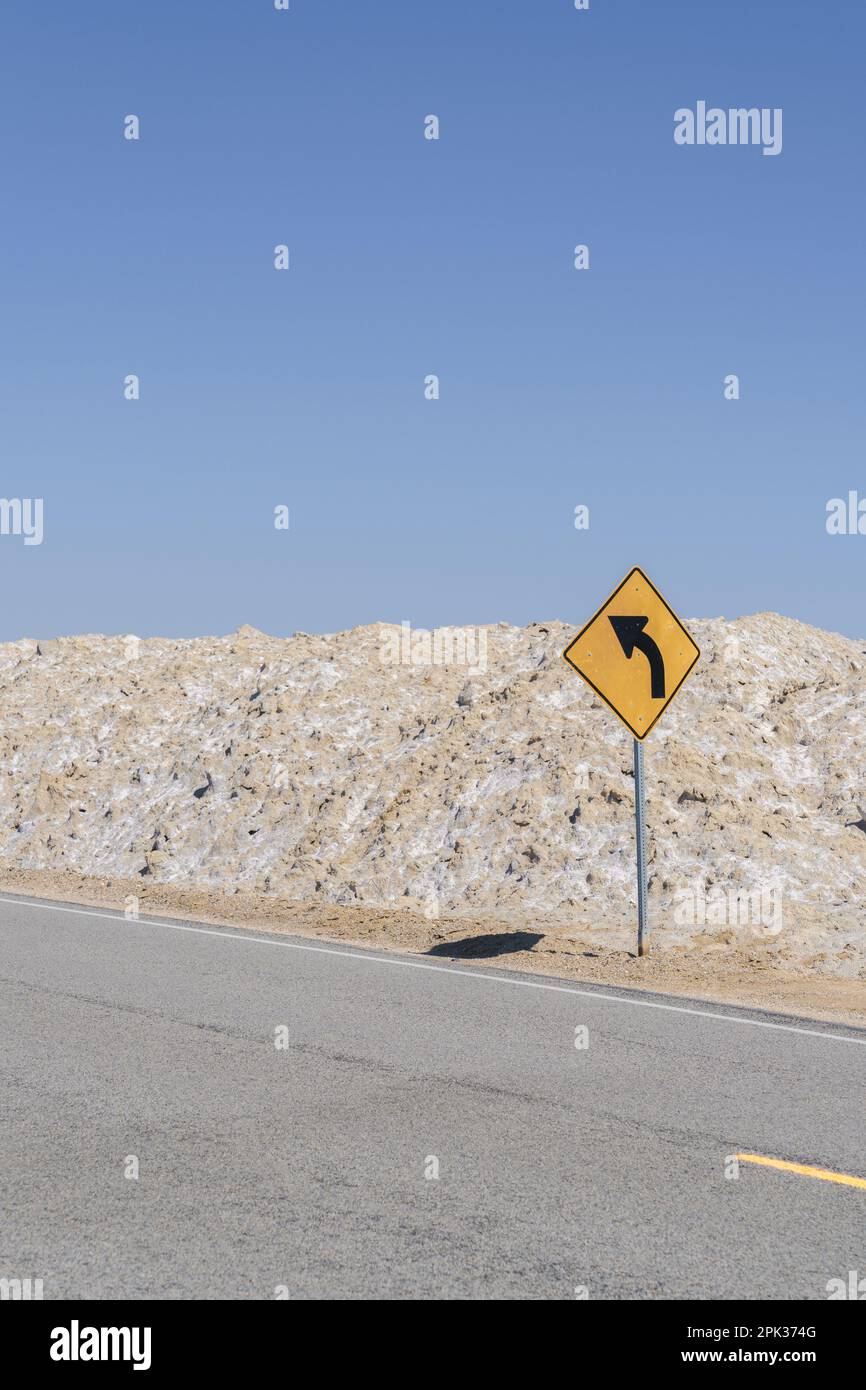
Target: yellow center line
825	1173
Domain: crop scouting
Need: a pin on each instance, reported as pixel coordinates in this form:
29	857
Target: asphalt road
303	1168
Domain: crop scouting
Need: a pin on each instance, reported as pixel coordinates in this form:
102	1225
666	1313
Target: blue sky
411	257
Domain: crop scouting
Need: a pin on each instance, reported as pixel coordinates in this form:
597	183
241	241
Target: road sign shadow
491	944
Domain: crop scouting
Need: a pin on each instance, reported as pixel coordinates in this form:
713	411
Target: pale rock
310	765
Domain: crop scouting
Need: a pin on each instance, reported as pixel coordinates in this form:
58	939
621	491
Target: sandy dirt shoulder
712	971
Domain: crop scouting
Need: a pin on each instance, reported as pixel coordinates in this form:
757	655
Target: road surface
308	1170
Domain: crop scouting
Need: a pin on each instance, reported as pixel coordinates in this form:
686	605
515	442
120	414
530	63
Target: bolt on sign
634	653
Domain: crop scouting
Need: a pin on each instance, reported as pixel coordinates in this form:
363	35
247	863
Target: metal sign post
640	840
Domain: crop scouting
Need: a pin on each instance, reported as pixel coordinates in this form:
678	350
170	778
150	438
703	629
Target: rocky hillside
322	768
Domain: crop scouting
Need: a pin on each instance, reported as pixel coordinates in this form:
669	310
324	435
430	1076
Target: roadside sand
709	968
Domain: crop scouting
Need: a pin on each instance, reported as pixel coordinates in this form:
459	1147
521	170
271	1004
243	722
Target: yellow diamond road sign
635	653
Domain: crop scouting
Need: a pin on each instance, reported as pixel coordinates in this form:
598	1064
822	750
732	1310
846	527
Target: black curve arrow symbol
630	634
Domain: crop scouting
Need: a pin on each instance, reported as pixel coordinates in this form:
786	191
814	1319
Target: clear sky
411	257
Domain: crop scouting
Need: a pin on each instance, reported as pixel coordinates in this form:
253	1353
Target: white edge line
467	972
